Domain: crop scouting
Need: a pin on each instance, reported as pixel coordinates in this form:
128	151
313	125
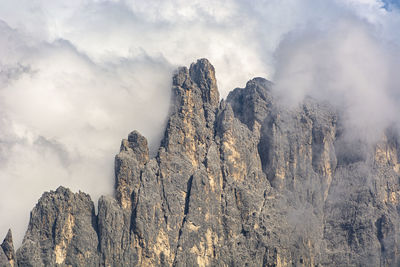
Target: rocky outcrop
238	182
62	231
7	253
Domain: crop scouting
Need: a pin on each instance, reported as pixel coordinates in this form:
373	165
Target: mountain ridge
236	182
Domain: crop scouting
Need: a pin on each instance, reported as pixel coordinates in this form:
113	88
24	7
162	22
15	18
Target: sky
390	4
77	76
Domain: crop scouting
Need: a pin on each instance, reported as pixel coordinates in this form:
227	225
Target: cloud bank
76	77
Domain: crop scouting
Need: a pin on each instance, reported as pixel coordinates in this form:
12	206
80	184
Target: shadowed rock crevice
187	198
241	182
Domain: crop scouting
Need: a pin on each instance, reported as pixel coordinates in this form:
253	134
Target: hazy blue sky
391	4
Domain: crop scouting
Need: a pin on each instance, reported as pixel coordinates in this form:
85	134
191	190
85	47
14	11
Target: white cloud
77	76
345	65
63	117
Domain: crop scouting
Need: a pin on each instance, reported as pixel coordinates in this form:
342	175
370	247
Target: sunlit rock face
238	182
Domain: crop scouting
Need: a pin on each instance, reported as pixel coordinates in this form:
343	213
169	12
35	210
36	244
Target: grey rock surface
62	231
238	182
7	253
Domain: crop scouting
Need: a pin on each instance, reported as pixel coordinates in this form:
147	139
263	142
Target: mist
346	66
76	77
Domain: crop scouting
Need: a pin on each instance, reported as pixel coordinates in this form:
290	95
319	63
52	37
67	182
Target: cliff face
241	182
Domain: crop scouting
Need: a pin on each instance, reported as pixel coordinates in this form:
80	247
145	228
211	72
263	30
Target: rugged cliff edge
241	182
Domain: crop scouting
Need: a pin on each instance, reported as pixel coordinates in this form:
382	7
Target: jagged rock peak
195	101
201	74
61	231
138	144
259	82
134	154
251	104
8	249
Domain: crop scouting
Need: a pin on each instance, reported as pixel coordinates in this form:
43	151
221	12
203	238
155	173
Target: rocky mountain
238	182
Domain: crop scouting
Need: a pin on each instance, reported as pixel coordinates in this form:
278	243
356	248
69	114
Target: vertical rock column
189	170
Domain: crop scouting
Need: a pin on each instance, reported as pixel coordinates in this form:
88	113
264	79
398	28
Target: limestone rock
7	253
238	182
62	231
